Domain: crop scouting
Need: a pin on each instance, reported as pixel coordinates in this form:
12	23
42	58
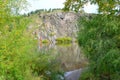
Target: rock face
58	24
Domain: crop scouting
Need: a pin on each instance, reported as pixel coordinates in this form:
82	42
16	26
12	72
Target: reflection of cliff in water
69	55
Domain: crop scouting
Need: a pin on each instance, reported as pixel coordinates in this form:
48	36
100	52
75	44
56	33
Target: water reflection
69	55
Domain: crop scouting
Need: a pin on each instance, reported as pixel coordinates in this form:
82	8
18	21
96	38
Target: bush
64	44
19	59
14	49
99	39
46	67
17	47
64	40
45	41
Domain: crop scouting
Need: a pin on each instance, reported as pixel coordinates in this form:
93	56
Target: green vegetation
46	67
64	44
43	11
45	41
105	6
64	40
52	34
15	49
19	59
14	44
99	39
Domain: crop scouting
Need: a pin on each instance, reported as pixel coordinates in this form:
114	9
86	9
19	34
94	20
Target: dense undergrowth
99	38
14	48
19	58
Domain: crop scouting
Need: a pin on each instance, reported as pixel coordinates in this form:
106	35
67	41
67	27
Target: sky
47	4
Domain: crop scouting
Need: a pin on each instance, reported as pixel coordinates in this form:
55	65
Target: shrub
19	59
17	46
45	41
46	67
99	39
63	44
64	40
52	34
14	49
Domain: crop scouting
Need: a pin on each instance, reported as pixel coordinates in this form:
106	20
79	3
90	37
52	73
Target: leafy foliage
64	40
45	41
17	45
105	6
43	11
99	39
14	47
46	66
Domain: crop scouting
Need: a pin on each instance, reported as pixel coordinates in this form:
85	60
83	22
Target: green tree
99	39
10	7
19	59
105	6
14	43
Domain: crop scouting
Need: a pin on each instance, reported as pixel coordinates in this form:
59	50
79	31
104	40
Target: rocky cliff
58	24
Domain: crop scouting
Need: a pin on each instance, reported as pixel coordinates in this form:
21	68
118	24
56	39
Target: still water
69	55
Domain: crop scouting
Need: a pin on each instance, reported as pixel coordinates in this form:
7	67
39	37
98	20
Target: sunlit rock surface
58	24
